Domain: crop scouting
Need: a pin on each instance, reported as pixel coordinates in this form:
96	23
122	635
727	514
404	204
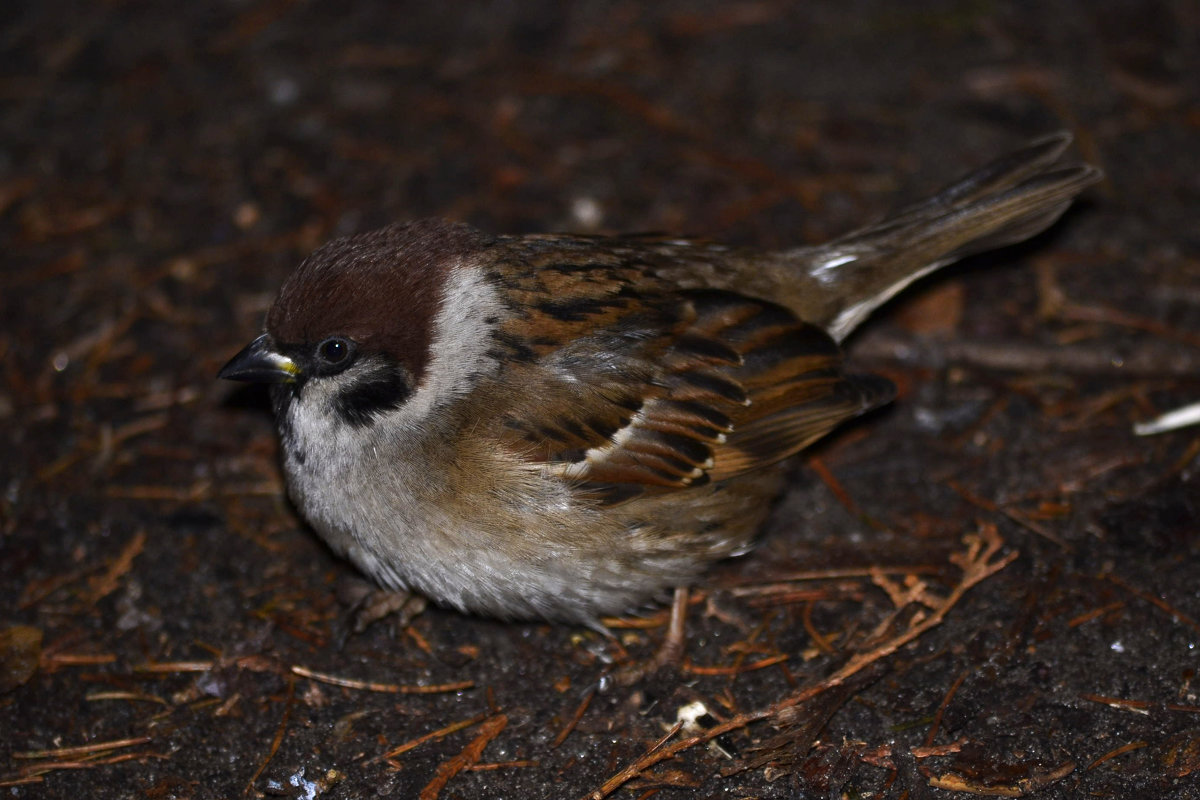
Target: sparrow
565	427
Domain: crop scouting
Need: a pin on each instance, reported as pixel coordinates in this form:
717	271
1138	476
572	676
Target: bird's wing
626	387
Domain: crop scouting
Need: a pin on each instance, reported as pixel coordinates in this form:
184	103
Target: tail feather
1007	201
992	178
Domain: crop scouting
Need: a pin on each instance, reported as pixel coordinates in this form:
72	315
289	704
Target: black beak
258	363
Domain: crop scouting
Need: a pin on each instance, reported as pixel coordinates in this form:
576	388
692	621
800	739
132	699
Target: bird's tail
1007	201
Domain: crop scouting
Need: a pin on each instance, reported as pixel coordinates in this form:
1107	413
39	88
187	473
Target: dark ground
164	165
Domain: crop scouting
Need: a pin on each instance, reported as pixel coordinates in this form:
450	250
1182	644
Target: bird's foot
670	652
366	604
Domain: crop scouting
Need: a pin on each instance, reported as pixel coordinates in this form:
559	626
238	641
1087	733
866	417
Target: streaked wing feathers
667	390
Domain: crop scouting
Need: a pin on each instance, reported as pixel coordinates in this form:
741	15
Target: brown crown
382	289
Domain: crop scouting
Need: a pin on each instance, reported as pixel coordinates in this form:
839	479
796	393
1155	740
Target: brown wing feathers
670	389
792	375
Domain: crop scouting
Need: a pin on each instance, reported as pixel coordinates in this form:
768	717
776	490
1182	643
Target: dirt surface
989	588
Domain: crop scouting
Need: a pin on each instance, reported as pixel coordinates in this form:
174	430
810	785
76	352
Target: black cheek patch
359	403
282	395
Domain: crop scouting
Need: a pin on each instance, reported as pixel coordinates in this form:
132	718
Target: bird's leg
670	652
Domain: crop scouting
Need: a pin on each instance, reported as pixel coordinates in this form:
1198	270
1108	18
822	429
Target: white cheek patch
317	430
460	342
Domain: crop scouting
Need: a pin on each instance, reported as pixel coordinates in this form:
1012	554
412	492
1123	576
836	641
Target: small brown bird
564	427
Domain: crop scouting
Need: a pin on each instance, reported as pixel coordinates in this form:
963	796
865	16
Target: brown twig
574	720
957	783
941	710
833	484
440	733
279	732
823	643
52	661
386	688
977	564
1123	319
171	667
32	773
734	669
934	750
84	749
1088	616
1120	751
133	696
107	583
495	765
1157	602
1136	706
38	590
781	583
465	759
1016	516
636	768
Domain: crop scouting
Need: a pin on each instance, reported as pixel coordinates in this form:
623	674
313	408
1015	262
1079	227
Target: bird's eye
335	352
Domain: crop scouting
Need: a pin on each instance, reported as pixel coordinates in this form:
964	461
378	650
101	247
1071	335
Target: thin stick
283	723
438	734
386	688
1120	751
81	750
937	717
175	666
571	723
465	759
1176	614
735	669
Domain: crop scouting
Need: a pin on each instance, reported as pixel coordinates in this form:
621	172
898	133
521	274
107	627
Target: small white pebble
690	714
